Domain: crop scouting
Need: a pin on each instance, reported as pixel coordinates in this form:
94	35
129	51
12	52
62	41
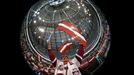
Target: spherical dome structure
40	26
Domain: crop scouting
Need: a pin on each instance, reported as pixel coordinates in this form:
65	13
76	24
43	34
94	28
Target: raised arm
80	53
51	55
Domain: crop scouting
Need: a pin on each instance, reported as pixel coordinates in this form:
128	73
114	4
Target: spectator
66	66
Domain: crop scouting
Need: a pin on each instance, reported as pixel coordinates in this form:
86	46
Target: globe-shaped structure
41	20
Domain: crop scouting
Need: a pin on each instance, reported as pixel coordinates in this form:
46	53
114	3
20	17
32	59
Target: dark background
13	14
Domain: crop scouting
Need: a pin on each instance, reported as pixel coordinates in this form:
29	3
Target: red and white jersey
72	65
68	69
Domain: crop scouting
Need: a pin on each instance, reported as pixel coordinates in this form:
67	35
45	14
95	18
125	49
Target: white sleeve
75	61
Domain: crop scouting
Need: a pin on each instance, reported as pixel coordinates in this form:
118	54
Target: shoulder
59	62
74	60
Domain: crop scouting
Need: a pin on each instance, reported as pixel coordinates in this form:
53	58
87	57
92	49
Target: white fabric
60	67
74	60
74	70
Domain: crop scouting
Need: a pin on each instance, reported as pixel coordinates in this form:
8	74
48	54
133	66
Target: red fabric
71	26
66	48
70	33
80	52
60	74
52	57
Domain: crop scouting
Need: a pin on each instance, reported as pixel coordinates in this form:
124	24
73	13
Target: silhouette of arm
80	53
51	55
